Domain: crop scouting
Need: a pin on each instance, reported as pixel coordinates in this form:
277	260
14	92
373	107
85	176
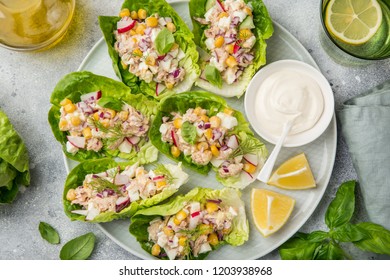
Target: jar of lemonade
28	25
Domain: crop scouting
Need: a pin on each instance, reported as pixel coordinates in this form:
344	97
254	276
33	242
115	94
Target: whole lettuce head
73	86
229	197
182	35
262	31
76	178
14	161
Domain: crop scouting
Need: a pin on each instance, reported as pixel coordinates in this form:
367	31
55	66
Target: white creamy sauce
286	95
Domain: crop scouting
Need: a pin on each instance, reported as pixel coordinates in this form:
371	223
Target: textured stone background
26	82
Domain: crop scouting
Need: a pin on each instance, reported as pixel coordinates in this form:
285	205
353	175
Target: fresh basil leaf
164	41
330	251
213	76
349	233
110	103
49	233
317	236
79	248
298	248
188	132
379	240
341	209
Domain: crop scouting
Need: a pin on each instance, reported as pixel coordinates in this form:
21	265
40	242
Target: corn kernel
211	207
96	116
177	123
222	15
111	112
75	121
105	122
132	33
137	52
124	13
208	133
248	11
204	118
202	146
142	14
228	111
213	239
168	231
71	195
74	133
182	240
124	65
151	22
140	29
63	123
176	221
140	172
161	184
171	27
66	101
150	60
230	48
197	111
123	115
214	150
219	42
174	46
250	168
244	34
87	133
156	250
215	122
181	215
231	61
134	14
169	85
70	108
175	151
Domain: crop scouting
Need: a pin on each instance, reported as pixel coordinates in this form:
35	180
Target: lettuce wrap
241	49
201	131
179	35
103	190
14	161
187	227
99	102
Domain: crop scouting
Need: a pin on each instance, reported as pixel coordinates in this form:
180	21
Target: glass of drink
360	28
29	25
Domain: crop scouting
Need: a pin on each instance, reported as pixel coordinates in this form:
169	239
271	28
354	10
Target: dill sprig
114	134
248	146
100	184
160	169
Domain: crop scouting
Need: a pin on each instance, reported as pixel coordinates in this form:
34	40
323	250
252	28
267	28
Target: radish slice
133	139
122	203
125	147
233	142
125	25
252	159
92	96
197	213
158	178
220	4
246	178
77	141
101	174
236	48
120	180
174	138
160	88
216	162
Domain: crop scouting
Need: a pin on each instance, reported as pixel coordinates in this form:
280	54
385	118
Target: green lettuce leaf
74	85
183	37
230	197
77	176
14	161
263	30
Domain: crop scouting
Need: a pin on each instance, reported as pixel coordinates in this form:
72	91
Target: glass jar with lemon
359	27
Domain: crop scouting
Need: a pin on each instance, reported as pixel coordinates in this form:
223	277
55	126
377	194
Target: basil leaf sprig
49	233
79	248
110	103
213	76
164	41
321	245
188	132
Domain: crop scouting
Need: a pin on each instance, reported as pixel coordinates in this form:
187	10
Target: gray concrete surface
26	82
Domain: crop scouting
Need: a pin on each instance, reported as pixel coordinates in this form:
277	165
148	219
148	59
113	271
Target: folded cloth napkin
365	122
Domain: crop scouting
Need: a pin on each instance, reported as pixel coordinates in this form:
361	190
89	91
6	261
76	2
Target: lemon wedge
353	22
270	210
293	174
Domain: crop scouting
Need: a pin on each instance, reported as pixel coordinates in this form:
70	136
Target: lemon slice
294	174
270	210
353	21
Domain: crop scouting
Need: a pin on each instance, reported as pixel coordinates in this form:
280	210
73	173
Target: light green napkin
365	122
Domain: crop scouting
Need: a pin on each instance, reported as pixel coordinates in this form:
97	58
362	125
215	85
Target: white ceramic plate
320	153
304	137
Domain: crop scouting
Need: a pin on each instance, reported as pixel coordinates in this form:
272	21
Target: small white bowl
304	137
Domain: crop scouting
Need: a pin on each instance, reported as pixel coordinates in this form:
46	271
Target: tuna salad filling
209	139
147	48
93	127
229	39
114	190
195	229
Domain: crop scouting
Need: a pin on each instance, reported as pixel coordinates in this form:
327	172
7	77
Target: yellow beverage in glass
358	27
34	24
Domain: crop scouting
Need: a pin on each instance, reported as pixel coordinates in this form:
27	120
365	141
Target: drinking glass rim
335	43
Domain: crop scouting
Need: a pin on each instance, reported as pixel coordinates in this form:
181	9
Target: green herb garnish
49	233
164	41
114	135
110	103
160	169
79	248
100	184
248	146
188	132
213	76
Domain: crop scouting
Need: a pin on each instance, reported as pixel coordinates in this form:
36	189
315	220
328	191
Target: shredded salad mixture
229	37
93	127
147	48
195	229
